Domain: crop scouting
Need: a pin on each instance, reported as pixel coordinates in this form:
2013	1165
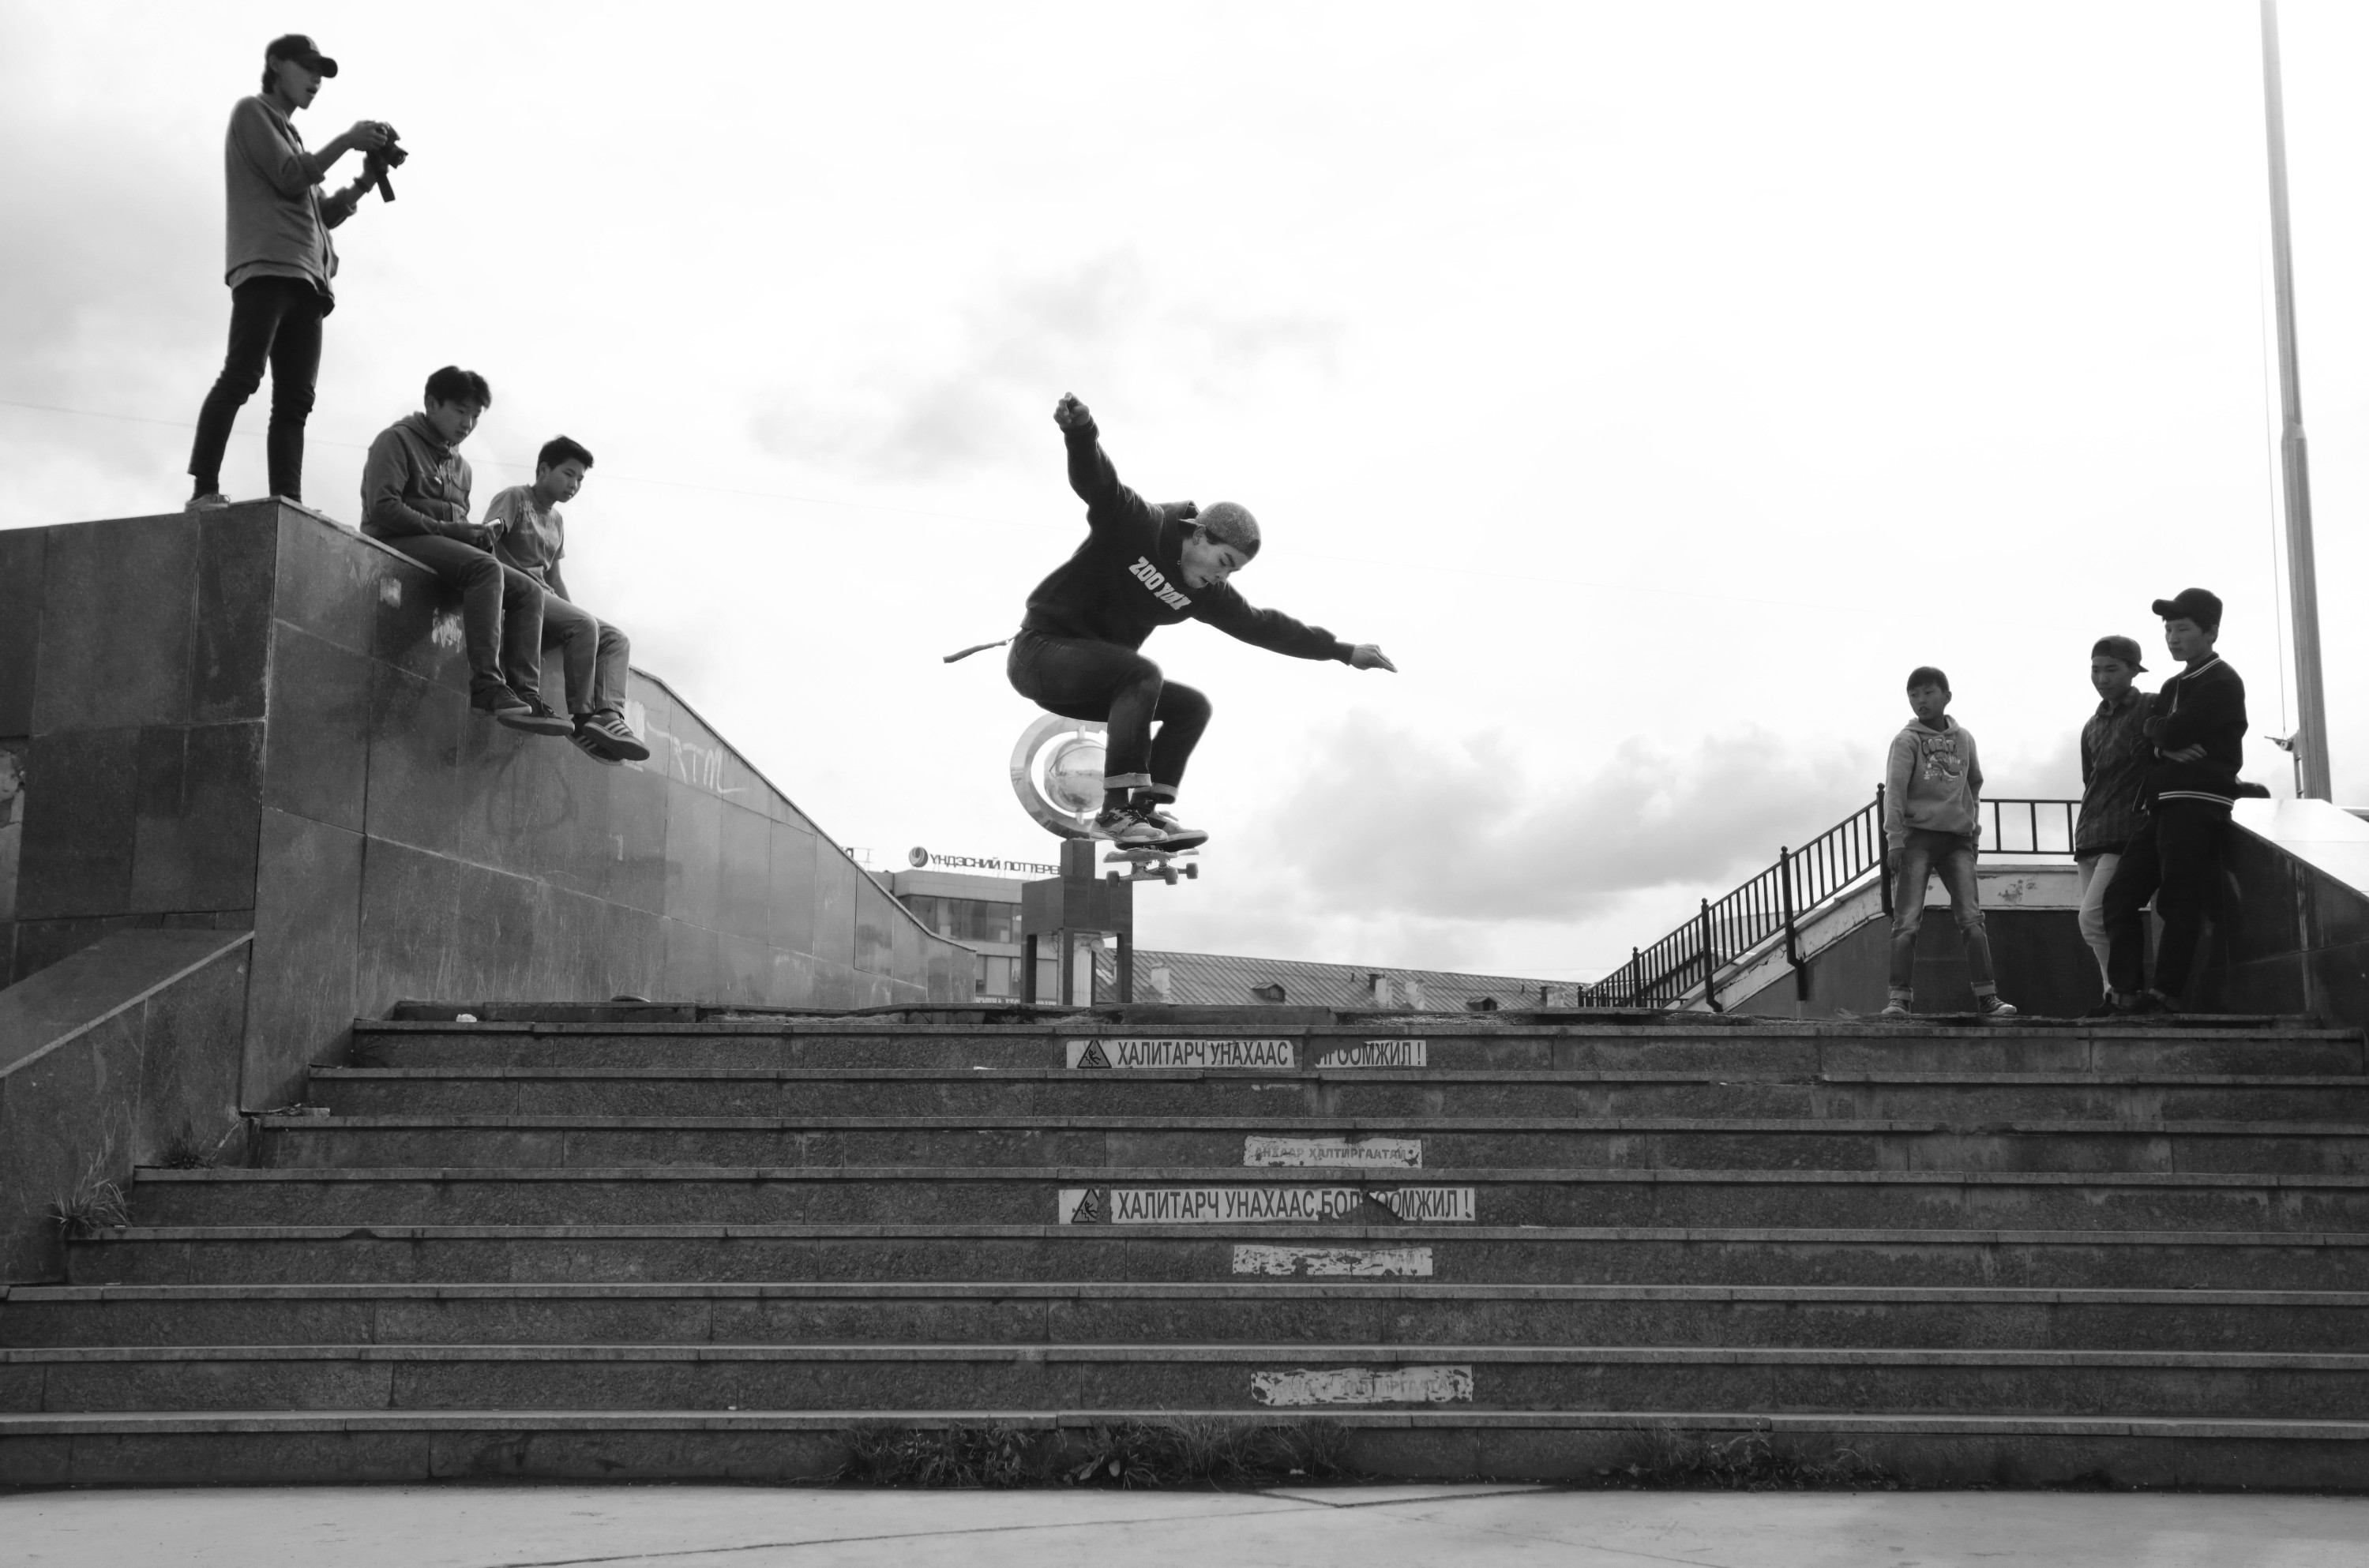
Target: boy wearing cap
1932	808
2115	753
531	537
1143	567
281	263
2198	735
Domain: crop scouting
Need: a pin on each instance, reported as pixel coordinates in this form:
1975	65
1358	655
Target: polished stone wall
259	718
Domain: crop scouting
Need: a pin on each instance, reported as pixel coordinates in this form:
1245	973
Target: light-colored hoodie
1933	780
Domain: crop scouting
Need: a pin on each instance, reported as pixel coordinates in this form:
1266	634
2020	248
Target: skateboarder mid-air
1143	567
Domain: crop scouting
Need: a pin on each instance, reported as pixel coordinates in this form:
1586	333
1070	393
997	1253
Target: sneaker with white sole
536	717
1127	828
1173	835
1895	1008
593	749
213	500
606	730
1994	1007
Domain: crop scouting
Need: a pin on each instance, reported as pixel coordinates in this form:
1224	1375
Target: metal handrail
1773	904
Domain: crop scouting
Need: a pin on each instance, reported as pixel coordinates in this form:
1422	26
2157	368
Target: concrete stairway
2034	1252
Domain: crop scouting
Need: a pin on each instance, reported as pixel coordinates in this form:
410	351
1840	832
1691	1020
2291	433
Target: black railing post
1710	963
1636	976
1792	943
1882	854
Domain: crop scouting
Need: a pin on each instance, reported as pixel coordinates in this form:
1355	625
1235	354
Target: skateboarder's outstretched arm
1224	608
1092	474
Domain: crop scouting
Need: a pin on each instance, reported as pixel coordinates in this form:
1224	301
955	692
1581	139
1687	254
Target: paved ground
700	1527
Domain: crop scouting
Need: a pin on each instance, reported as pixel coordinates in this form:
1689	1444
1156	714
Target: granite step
450	1141
1244	1377
2249	1259
256	1447
2259	1046
1434	1092
991	1195
1346	1311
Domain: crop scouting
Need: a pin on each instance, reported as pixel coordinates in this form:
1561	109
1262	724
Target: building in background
978	906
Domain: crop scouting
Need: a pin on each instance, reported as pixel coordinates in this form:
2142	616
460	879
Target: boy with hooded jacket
1932	807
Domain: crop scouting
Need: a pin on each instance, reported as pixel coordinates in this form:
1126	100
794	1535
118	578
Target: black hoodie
1125	581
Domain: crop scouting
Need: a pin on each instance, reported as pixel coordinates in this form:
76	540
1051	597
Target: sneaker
1123	827
614	739
1993	1006
2153	1001
594	750
497	699
213	500
2107	1008
1173	835
1896	1008
536	716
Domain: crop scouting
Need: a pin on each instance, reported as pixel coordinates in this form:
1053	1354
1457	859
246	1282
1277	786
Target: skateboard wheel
1194	871
1168	874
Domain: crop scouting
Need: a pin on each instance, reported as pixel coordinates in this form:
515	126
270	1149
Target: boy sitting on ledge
531	537
416	500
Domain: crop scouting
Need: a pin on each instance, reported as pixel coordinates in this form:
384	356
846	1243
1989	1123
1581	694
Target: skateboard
1151	864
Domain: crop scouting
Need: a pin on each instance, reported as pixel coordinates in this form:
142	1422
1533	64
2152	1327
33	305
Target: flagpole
2294	467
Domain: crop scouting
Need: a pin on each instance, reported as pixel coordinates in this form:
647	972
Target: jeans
1952	856
501	611
2175	857
595	655
2097	876
1077	678
274	321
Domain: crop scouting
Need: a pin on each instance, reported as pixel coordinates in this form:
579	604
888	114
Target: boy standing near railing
1933	785
2198	740
2115	753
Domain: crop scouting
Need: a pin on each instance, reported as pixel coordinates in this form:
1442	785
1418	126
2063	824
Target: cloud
1400	823
1013	351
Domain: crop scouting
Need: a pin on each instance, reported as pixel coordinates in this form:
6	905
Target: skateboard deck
1150	862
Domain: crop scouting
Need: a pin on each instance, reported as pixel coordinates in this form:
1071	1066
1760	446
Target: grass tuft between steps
1751	1462
1187	1452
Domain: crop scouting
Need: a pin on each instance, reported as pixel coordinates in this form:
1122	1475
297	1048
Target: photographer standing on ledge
281	262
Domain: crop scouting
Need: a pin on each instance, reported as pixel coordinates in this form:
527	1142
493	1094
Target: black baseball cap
2124	648
2198	604
302	50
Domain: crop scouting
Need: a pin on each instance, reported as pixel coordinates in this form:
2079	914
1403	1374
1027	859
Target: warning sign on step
1261	1206
1365	1385
1259	1150
1123	1055
1322	1263
1378	1053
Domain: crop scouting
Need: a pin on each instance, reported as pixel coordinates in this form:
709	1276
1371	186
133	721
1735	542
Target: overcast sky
1656	384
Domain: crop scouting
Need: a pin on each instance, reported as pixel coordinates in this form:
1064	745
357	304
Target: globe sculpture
1057	772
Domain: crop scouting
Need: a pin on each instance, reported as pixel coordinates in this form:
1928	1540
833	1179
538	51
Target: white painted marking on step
1258	1149
1354	1263
1157	1053
1256	1206
1365	1385
1378	1053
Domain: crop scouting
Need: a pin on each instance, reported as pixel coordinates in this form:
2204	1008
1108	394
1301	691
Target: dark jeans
595	655
1952	856
501	609
1077	678
274	321
2175	857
